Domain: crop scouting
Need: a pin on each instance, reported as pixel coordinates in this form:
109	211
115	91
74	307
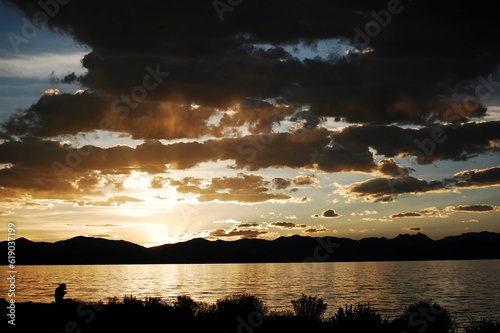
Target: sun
158	234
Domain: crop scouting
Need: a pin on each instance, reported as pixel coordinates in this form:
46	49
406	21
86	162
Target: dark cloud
329	213
427	144
407	214
299	149
281	183
474	208
288	225
411	74
419	229
391	168
385	189
90	111
478	178
305	180
248	225
315	230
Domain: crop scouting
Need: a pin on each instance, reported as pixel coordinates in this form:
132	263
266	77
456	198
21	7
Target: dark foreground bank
235	313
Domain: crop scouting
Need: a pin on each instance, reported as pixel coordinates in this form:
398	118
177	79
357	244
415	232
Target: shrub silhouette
309	307
360	318
185	306
482	326
238	305
427	316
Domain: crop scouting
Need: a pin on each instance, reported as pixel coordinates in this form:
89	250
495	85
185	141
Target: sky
224	120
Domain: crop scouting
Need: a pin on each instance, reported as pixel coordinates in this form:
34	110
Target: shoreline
238	313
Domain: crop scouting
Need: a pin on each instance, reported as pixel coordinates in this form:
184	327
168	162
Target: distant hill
87	250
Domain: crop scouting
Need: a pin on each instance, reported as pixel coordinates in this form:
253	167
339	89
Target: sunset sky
248	119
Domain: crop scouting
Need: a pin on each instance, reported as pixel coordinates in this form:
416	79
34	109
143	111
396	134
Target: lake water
468	289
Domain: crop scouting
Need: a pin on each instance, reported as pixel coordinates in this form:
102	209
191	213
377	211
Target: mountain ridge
404	247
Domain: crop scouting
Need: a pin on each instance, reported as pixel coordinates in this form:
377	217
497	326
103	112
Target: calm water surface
466	288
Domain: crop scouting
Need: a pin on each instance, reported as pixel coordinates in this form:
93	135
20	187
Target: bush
427	316
483	326
185	305
238	305
309	307
360	318
205	310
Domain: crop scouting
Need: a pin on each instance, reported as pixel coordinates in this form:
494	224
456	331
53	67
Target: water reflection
466	288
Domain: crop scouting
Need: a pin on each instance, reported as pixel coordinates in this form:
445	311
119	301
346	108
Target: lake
468	289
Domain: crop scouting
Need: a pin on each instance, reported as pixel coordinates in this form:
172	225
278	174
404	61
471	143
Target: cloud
329	213
315	230
58	170
79	226
457	142
91	111
366	212
232	221
478	178
242	188
236	232
288	225
218	63
6	213
389	167
39	204
407	214
305	180
471	221
419	229
281	183
433	212
248	225
108	236
387	189
158	182
236	91
473	208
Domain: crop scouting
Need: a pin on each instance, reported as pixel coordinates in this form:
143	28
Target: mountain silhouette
88	250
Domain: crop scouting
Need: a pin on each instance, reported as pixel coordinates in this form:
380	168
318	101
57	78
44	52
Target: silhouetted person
60	292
